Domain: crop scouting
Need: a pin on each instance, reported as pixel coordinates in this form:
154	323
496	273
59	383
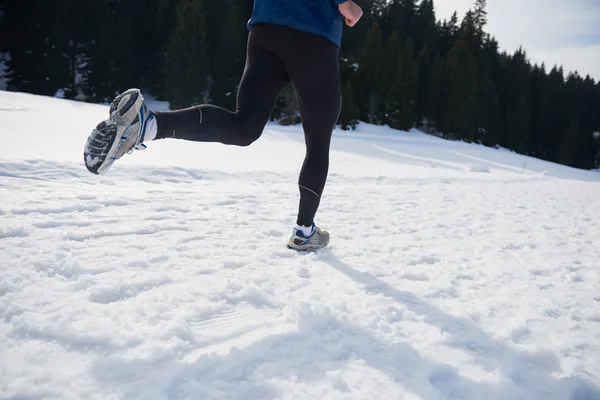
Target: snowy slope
453	273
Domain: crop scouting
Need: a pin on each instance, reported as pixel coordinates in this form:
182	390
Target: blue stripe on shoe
143	121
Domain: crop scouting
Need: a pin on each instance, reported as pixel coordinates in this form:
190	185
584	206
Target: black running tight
276	56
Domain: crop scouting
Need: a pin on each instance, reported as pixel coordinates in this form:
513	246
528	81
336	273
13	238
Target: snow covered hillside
455	271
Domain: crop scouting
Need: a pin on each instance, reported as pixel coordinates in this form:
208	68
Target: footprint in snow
112	295
59	224
191	239
303	272
233	264
552	313
464	277
13	233
539	272
107	294
520	334
416	277
440	376
429	260
226	202
138	264
159	259
85	197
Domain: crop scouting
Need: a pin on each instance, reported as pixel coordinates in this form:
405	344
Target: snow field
168	278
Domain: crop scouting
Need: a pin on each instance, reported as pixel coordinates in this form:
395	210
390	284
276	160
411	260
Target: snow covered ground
455	271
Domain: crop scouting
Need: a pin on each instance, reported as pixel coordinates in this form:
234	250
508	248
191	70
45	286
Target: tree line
400	67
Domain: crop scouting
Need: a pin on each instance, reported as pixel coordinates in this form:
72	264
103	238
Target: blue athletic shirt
320	17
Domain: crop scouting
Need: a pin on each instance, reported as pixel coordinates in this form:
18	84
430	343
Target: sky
563	32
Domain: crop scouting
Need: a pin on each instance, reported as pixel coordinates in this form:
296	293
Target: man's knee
247	132
250	135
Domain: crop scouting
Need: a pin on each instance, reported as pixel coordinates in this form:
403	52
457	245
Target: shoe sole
123	111
308	248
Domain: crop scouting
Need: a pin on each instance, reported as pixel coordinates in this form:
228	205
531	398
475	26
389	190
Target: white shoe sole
123	112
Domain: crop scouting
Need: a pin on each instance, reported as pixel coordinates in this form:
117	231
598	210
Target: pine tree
186	64
516	103
468	27
540	119
371	66
376	8
400	17
470	32
596	124
425	26
423	62
489	59
402	96
69	33
480	15
447	34
229	60
570	136
349	110
391	59
434	96
38	59
489	113
287	110
558	117
109	68
587	143
216	18
149	25
355	37
461	91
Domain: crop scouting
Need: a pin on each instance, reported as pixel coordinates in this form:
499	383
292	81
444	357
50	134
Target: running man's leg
263	79
313	66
